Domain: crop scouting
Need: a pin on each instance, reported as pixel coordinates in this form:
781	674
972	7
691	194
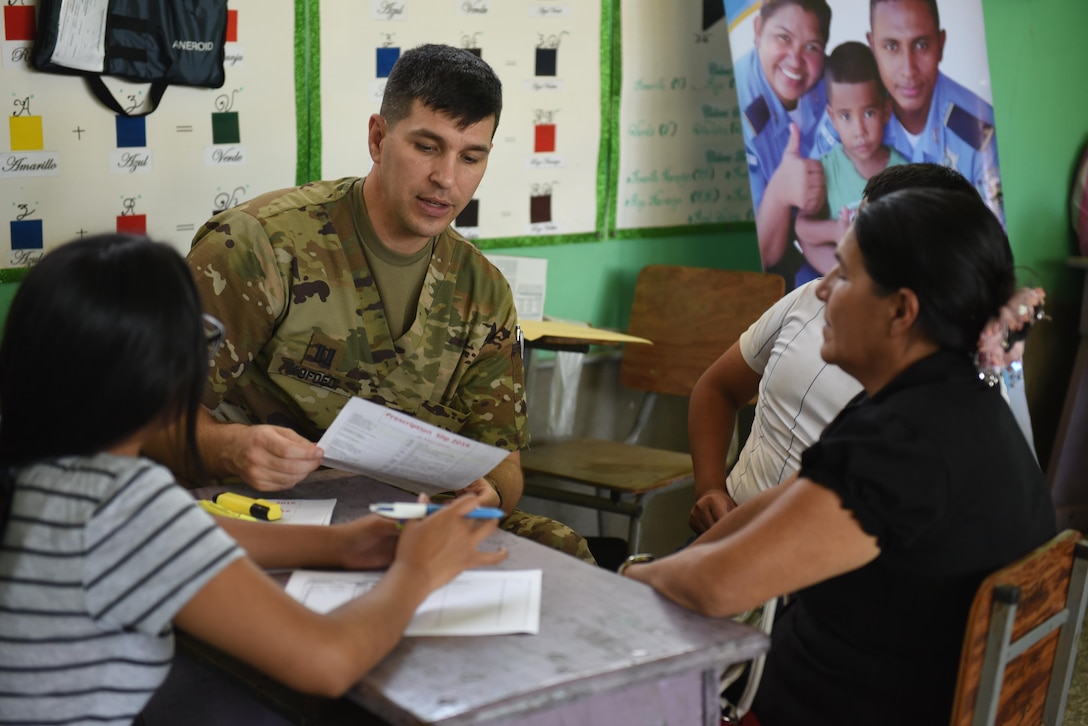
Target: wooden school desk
610	650
571	337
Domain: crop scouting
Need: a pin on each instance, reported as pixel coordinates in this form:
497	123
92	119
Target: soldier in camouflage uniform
359	287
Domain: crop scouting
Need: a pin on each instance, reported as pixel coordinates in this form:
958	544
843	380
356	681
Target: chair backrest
1022	635
692	315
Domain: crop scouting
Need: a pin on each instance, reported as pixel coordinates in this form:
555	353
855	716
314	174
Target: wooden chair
1022	636
692	315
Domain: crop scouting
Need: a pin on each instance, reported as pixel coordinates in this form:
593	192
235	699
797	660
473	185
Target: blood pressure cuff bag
162	42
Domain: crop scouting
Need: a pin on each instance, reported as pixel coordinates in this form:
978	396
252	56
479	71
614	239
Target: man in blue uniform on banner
935	119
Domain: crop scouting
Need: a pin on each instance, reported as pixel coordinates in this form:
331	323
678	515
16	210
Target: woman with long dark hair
103	552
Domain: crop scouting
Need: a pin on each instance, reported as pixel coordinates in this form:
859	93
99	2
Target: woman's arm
363	544
242	612
796	535
719	394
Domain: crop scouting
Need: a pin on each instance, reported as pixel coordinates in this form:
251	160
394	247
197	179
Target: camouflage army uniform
306	330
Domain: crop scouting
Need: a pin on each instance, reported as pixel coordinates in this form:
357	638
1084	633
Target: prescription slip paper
305	511
395	448
476	602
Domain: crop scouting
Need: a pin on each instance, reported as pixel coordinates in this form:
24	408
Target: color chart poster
903	83
70	167
677	143
541	181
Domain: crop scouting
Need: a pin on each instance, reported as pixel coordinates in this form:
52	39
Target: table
610	650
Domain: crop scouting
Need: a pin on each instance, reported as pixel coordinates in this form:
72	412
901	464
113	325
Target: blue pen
418	510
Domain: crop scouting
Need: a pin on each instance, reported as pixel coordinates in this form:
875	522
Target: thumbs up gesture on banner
802	180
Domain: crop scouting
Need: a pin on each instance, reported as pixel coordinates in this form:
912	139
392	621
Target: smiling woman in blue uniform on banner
781	93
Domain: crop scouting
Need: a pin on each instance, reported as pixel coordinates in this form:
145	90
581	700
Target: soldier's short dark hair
451	80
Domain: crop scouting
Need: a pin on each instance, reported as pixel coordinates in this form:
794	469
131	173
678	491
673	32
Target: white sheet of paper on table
476	602
305	511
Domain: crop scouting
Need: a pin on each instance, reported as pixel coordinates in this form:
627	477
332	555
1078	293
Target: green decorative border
681	230
307	91
13	274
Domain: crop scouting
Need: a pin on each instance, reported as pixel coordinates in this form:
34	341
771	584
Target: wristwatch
636	559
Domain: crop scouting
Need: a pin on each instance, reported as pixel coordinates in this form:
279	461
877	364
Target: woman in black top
919	489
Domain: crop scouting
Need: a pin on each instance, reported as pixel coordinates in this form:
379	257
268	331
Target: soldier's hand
482	489
271	458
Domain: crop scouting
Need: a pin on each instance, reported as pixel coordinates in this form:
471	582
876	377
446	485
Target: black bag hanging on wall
161	42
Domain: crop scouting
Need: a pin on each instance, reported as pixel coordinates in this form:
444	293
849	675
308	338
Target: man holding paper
360	287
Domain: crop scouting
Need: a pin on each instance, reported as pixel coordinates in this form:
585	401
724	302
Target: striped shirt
100	554
799	393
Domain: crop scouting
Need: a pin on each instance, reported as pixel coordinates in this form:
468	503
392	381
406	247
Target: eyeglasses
214	332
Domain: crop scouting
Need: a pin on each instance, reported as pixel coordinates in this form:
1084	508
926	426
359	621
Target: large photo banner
833	91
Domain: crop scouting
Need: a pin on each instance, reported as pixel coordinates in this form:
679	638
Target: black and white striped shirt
100	554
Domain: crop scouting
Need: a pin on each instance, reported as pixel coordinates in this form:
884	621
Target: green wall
1037	54
1037	57
595	281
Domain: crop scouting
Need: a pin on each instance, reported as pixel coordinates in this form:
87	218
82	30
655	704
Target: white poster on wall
542	172
70	167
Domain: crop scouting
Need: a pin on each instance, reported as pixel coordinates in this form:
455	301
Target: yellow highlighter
258	508
213	508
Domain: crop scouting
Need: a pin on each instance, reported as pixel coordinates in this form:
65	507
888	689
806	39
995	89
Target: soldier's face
427	169
908	47
791	52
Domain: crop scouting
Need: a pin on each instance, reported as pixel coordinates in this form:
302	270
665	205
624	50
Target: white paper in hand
398	449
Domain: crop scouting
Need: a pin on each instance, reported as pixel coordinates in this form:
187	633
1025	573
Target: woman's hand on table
368	543
442	545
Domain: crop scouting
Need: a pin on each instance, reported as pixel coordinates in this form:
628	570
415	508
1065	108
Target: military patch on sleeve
758	114
974	131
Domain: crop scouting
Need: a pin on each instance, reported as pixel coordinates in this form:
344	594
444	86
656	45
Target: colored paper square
232	26
540	208
546	59
132	224
19	22
470	215
26	234
713	11
544	140
26	133
385	59
225	128
131	131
